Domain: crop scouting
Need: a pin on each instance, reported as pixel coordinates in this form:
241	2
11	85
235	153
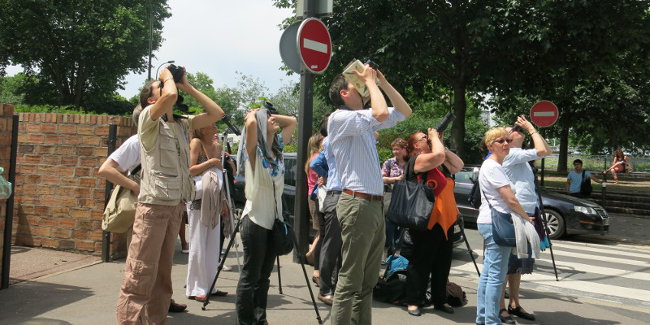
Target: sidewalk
88	296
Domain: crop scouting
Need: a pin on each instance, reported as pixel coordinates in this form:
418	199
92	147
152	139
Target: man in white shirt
360	207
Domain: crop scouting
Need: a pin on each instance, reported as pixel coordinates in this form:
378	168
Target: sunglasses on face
502	140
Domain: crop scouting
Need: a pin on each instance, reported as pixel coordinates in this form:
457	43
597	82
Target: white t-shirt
491	178
127	156
519	172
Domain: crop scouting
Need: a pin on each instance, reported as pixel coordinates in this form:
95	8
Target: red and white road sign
314	45
544	114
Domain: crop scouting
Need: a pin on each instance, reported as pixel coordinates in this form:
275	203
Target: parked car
289	194
564	214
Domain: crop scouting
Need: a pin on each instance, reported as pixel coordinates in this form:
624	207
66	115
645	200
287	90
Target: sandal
520	313
506	319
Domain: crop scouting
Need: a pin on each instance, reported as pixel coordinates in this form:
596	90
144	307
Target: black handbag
585	185
412	201
503	230
282	233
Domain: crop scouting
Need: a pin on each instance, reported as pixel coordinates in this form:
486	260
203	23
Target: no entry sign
544	114
314	45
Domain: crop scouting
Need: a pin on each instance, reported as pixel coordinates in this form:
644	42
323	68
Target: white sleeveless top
260	200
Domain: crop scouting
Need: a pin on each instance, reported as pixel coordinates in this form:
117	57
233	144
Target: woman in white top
204	225
497	189
264	170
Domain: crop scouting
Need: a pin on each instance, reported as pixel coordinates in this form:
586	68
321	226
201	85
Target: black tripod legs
221	263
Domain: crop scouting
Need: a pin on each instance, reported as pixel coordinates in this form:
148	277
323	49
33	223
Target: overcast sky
219	37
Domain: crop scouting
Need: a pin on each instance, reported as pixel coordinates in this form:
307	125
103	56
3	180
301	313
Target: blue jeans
495	266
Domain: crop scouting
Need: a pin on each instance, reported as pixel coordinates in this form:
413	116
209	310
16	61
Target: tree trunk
458	128
564	148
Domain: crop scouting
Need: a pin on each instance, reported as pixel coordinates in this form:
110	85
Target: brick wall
6	113
59	197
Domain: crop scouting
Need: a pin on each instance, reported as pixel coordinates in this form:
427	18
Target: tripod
302	264
469	249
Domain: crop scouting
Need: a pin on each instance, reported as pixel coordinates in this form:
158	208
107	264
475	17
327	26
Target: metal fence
598	162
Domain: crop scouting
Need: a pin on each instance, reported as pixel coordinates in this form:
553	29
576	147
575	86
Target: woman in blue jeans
496	194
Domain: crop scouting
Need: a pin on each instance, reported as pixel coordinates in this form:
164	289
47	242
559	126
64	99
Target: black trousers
253	286
431	256
331	242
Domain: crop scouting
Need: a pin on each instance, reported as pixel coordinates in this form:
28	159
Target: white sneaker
227	268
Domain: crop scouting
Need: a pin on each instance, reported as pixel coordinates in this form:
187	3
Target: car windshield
464	177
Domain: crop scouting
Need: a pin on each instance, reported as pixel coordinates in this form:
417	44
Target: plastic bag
5	187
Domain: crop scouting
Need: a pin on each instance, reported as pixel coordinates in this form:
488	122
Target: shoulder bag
282	233
503	231
119	213
412	201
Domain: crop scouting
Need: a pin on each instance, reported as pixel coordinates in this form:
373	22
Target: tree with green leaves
589	58
417	44
80	50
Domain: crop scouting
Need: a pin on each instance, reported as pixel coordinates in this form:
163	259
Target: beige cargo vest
165	167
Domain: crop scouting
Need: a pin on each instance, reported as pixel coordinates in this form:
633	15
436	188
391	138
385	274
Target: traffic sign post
544	114
314	45
307	49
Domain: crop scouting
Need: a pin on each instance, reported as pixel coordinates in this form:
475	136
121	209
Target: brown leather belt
364	195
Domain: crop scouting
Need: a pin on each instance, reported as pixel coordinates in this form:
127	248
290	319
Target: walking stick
550	244
279	277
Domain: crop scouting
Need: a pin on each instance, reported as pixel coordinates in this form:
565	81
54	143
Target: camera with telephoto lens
177	72
445	122
271	110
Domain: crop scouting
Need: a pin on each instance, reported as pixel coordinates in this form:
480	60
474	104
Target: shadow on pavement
37	298
563	317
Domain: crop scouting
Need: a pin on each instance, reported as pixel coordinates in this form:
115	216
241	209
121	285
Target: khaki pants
147	288
363	233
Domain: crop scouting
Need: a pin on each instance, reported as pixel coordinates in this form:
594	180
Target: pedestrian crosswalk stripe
572	284
602	249
603	258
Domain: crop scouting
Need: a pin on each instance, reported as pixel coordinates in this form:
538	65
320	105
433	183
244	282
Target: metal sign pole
301	209
6	248
106	235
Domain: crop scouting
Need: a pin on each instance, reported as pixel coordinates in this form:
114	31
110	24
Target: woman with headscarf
260	153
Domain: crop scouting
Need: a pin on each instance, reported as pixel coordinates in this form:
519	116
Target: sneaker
227	268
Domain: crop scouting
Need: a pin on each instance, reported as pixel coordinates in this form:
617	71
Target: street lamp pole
150	39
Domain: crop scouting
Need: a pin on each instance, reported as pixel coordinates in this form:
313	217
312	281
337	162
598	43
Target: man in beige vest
165	187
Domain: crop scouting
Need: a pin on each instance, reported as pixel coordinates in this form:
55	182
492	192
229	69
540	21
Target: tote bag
411	202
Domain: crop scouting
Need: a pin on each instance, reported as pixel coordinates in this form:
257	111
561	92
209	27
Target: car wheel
555	223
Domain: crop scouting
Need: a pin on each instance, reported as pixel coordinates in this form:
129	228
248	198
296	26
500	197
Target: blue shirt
521	175
324	165
354	150
576	180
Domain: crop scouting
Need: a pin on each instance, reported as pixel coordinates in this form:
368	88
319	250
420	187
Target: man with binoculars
165	187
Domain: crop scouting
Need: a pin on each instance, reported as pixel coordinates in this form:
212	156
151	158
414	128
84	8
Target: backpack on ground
456	297
391	288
